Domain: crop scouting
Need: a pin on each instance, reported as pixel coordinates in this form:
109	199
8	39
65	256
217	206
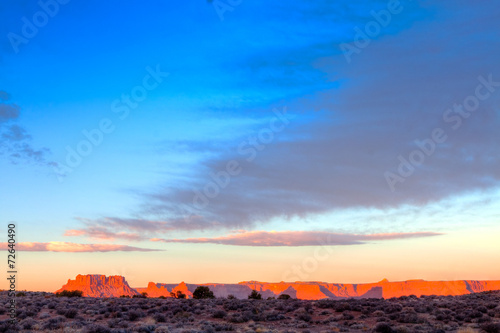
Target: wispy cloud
74	247
15	142
296	238
110	228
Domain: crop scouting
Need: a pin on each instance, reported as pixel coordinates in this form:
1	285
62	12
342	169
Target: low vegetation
203	292
254	295
69	293
67	312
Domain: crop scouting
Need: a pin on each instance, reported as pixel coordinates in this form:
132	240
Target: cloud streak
74	247
132	229
15	142
296	238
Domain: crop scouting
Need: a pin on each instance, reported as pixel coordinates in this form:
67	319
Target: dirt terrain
479	312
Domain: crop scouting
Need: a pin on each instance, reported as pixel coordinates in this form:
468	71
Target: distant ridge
115	286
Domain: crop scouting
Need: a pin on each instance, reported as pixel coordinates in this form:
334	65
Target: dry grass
467	330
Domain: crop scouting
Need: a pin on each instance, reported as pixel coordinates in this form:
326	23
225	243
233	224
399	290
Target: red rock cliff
100	286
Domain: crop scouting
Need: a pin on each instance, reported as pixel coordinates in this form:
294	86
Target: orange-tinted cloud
103	233
296	238
73	247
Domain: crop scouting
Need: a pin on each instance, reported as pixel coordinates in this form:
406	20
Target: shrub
61	310
304	316
53	323
491	328
71	313
383	328
239	318
8	327
203	292
179	294
223	327
219	314
160	318
28	324
482	309
70	293
393	308
146	329
347	316
254	295
341	307
20	294
284	296
134	315
94	328
231	296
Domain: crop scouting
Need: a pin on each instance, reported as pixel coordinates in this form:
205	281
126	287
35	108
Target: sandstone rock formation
100	286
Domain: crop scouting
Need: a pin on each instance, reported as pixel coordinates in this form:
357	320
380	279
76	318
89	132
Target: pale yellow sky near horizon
467	254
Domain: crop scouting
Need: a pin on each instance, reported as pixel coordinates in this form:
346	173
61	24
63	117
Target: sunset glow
331	141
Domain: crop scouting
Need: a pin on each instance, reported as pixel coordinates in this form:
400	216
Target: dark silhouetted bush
254	295
203	292
284	296
70	293
180	295
383	328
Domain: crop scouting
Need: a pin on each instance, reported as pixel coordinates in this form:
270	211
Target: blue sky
314	132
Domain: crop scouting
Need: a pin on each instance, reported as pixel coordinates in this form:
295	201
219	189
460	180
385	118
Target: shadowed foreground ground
45	312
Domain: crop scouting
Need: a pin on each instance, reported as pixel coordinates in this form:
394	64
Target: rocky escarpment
115	286
100	286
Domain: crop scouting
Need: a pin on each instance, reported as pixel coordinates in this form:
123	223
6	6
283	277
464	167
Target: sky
232	140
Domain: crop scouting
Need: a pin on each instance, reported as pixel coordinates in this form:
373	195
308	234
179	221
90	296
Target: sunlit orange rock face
182	287
156	290
114	286
100	286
